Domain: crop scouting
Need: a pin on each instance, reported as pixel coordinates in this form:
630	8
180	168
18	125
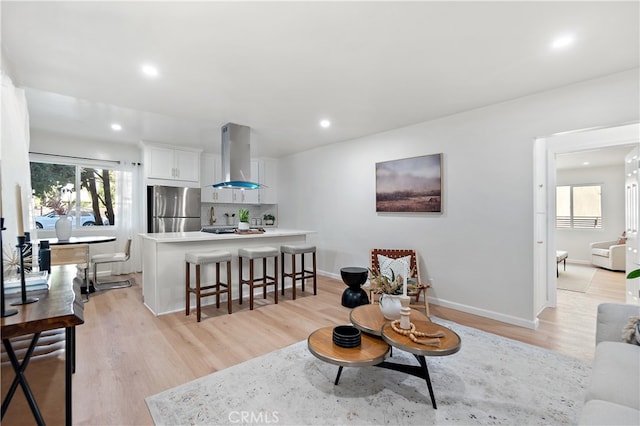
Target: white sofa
609	255
613	396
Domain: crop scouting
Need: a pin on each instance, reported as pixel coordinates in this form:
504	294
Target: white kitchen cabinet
210	174
187	165
250	196
207	178
164	162
210	168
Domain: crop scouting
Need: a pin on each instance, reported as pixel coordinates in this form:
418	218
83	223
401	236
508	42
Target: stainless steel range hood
236	158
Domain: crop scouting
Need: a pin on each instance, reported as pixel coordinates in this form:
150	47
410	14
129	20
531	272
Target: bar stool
265	280
205	258
303	274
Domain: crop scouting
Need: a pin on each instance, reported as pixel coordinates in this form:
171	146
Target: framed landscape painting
410	185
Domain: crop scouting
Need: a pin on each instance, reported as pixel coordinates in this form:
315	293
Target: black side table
354	277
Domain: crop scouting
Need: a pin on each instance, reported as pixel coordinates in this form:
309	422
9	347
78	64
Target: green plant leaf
243	215
634	274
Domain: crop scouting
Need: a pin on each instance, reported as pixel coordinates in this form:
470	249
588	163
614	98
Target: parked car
48	221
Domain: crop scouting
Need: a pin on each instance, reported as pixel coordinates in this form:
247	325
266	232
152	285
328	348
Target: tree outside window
54	191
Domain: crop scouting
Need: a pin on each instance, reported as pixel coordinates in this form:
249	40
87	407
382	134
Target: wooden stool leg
188	287
198	291
251	284
229	286
275	278
282	273
303	273
218	285
315	274
293	275
264	278
239	280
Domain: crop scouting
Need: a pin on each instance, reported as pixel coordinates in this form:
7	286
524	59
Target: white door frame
544	179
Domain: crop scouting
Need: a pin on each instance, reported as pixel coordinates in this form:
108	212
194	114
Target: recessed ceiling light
586	163
116	127
325	123
150	70
563	41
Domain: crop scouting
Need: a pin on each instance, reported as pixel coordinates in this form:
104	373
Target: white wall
58	144
576	241
479	251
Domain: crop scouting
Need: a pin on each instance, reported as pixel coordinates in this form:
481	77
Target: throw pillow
631	331
623	238
398	266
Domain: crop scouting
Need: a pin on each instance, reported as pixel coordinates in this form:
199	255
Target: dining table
75	250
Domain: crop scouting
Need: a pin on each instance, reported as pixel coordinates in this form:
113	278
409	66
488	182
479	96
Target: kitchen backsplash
227	214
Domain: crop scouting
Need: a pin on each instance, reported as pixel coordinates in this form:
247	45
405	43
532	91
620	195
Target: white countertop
180	237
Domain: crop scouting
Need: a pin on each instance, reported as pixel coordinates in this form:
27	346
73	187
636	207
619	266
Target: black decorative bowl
346	336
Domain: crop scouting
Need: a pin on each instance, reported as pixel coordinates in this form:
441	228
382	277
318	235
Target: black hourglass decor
354	277
23	283
5	312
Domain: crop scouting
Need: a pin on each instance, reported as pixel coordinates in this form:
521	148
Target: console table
58	307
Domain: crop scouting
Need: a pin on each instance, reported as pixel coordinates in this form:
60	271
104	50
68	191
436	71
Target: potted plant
269	219
389	288
634	274
243	216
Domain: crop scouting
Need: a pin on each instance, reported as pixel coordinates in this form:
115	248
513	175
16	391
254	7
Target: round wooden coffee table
449	344
369	319
372	350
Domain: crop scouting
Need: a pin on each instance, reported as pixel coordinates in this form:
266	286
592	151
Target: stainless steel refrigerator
173	209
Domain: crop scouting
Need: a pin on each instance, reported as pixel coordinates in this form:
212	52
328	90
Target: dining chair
111	258
73	254
414	271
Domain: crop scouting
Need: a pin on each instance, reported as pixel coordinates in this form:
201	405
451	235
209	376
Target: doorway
546	151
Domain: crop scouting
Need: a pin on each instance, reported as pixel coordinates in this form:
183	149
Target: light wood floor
125	354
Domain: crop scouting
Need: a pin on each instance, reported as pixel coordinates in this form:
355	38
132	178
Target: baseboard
579	262
468	309
329	275
520	322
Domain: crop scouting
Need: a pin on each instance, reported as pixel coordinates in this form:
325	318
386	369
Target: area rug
491	380
575	278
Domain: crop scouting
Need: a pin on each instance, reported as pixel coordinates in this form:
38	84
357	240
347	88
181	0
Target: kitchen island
163	264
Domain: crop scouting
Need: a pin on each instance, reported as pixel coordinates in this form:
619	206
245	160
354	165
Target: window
55	192
579	207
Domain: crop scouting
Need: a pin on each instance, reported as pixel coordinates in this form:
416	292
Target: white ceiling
280	67
601	157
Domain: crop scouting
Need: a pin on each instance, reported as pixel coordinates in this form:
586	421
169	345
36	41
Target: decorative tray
250	231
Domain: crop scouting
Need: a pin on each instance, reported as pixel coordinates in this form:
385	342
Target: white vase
63	228
390	306
243	226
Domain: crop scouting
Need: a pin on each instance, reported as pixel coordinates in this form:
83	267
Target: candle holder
405	312
27	249
5	312
23	283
